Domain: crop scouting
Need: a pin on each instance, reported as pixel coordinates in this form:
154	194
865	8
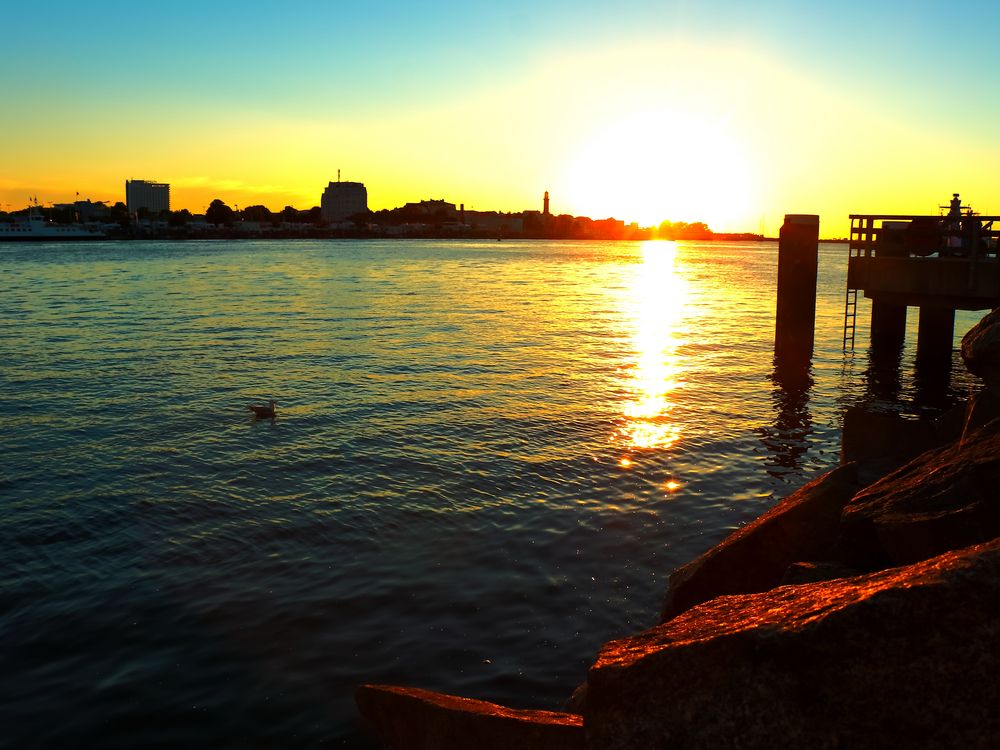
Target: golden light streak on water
655	303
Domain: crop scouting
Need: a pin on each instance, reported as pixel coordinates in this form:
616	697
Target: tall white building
152	196
342	200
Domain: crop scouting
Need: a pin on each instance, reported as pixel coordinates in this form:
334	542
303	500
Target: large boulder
415	719
981	348
902	658
942	500
753	558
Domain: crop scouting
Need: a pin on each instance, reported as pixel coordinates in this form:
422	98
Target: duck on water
262	412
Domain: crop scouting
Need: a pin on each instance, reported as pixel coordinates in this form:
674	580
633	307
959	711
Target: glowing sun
662	165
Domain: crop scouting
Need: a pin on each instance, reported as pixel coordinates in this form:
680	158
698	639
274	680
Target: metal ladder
862	240
850	316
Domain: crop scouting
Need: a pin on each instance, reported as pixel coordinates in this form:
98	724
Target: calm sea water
487	460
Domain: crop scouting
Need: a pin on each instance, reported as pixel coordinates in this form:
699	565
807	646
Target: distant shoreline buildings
344	212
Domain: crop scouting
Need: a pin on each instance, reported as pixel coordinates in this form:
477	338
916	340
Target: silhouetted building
545	204
151	196
494	222
83	210
440	208
342	200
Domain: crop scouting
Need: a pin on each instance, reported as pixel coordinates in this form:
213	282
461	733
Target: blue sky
370	51
91	71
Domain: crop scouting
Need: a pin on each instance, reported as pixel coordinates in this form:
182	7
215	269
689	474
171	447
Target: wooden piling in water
798	263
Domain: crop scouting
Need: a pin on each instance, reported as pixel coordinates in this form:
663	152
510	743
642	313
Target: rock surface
903	658
811	572
414	719
803	526
945	499
981	349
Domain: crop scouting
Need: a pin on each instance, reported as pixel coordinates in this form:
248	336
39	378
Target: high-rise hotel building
342	200
152	196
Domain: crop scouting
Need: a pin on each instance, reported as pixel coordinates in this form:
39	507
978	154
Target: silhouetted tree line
220	214
680	230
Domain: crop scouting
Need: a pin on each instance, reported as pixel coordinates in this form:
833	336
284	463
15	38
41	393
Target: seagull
263	412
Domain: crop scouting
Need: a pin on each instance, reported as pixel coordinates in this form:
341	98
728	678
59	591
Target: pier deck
936	263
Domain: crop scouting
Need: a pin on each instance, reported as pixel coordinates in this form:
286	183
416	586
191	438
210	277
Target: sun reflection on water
655	303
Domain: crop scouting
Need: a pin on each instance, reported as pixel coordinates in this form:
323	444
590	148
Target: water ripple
453	493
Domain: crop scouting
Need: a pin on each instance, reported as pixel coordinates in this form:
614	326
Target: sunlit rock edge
863	610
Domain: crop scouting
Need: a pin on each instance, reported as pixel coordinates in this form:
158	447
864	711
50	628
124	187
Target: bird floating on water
263	412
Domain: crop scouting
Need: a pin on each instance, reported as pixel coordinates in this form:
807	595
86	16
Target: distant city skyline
722	112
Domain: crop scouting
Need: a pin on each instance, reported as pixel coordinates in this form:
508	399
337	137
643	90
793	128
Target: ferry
35	227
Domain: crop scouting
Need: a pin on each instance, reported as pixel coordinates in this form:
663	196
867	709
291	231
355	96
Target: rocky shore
862	611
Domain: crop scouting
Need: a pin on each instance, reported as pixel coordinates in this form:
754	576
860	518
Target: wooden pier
938	264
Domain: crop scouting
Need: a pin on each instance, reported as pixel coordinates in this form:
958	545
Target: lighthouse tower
545	204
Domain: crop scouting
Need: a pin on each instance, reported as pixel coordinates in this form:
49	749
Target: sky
732	113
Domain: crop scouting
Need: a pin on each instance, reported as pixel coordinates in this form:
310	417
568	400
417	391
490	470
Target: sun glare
655	303
662	165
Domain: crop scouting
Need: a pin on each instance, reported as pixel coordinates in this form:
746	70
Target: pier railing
906	260
911	235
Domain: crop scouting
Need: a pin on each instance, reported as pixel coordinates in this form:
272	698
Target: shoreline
230	237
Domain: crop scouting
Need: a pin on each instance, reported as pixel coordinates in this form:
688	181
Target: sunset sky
728	112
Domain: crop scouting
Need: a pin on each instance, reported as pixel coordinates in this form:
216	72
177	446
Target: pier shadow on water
786	439
927	387
883	377
932	384
932	387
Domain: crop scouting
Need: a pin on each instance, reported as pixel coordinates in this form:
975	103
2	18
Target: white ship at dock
35	227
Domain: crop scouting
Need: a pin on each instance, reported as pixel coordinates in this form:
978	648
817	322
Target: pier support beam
798	261
888	324
935	336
